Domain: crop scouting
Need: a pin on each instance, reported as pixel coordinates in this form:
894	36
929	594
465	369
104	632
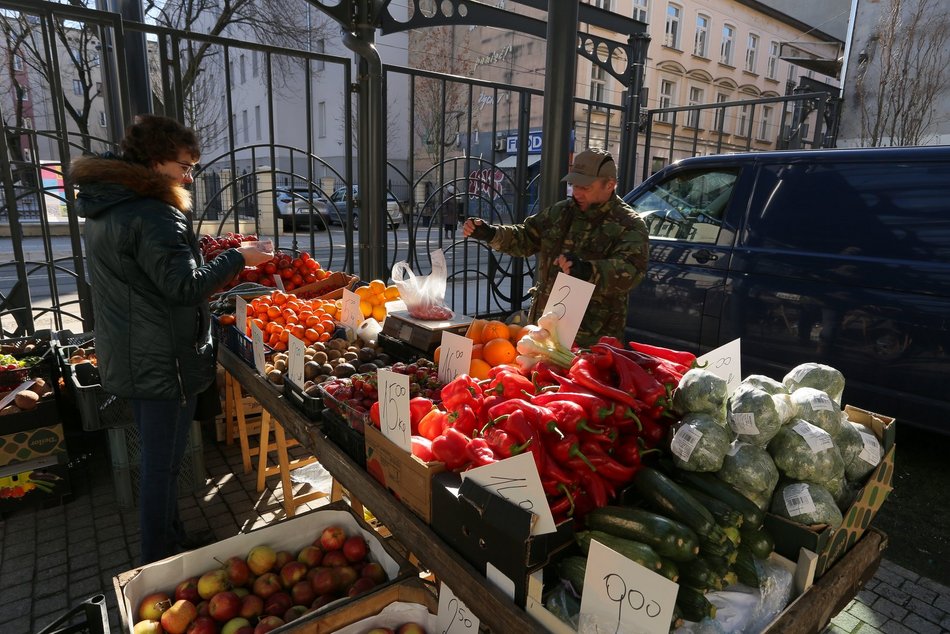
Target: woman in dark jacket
150	289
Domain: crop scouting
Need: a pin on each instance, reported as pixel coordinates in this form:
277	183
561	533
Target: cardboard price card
568	301
455	356
620	595
454	616
394	408
350	316
240	314
257	345
516	479
725	362
295	360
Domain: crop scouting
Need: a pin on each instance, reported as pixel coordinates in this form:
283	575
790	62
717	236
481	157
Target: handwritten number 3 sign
568	301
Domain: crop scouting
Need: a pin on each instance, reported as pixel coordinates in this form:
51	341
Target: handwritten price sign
351	316
295	360
455	358
516	479
257	346
394	408
620	595
240	314
454	616
568	301
725	362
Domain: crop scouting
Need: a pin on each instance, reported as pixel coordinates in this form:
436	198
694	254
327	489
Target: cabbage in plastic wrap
701	391
806	503
868	457
817	407
766	383
755	415
699	443
750	470
802	451
819	376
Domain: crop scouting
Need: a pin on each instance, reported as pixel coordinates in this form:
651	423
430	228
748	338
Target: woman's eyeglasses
188	167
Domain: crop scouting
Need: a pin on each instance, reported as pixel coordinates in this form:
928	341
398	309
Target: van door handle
704	255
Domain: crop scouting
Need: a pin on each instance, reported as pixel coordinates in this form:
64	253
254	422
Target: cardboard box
487	529
409	479
411	600
33	482
420	334
292	535
33	434
329	288
830	544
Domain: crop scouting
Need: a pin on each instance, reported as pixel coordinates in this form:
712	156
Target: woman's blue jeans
163	426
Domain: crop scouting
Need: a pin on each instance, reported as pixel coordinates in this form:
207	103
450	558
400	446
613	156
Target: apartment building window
765	123
17	63
728	44
254	63
673	14
641	10
244	127
28	123
667	92
322	119
751	52
24	93
243	75
231	71
742	123
319	47
237	136
77	87
601	4
102	118
98	87
257	121
772	64
598	83
701	41
791	74
720	122
696	97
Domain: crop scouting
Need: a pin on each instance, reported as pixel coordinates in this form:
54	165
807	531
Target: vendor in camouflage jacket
594	236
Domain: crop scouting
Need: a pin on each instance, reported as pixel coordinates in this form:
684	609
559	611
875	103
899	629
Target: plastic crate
241	345
352	442
356	419
124	447
45	368
99	409
311	406
89	617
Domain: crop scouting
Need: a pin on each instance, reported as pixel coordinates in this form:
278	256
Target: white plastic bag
424	295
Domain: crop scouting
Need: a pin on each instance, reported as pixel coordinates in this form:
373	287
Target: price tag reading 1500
394	408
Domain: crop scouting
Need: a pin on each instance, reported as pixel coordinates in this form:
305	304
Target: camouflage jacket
611	236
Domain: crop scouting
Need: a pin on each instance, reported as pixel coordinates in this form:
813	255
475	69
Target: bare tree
904	74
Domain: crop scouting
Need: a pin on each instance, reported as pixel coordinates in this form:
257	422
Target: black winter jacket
150	285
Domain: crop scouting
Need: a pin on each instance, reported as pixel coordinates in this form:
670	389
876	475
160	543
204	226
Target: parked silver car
337	215
294	206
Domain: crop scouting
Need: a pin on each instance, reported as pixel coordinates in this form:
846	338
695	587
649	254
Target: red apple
239	573
213	582
361	585
177	618
277	604
252	606
294	612
224	606
411	628
322	600
188	589
302	593
291	573
283	557
332	538
310	556
346	576
266	585
261	559
203	625
325	582
267	624
148	627
374	571
334	559
354	548
237	625
153	605
313	572
202	608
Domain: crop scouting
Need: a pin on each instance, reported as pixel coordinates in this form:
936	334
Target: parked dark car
835	256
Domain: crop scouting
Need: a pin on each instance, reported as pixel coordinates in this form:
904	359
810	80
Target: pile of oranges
493	344
280	315
373	299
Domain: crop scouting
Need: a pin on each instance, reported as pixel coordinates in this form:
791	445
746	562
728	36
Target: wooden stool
234	413
336	494
284	465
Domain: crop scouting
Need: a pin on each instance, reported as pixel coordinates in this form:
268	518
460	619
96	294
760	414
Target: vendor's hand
254	256
574	266
478	229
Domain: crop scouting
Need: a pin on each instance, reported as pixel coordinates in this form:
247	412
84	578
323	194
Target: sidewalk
53	559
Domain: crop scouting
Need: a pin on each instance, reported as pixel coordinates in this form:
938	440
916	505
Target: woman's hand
254	256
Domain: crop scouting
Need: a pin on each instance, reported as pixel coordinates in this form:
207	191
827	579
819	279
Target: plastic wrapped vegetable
699	443
869	456
849	441
817	408
750	470
701	392
819	376
803	451
765	383
806	503
755	415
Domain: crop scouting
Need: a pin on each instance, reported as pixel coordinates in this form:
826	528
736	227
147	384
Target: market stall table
495	610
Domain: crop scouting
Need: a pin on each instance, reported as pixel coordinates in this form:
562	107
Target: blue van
835	256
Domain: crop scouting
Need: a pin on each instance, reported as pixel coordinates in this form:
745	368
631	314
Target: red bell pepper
462	390
629	453
516	423
571	417
433	424
597	408
480	452
418	408
607	466
422	448
503	444
463	419
535	414
374	415
450	448
510	385
567	451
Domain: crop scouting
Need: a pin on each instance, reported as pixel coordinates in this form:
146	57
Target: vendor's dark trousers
163	429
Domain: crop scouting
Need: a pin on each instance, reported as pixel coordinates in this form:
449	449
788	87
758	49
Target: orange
376	287
479	369
477	350
280	298
363	292
391	292
379	313
366	308
516	332
437	354
494	330
226	320
499	351
475	329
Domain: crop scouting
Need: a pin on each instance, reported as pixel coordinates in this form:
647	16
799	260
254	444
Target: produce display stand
810	612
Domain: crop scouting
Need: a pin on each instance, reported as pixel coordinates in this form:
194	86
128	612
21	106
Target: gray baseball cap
590	165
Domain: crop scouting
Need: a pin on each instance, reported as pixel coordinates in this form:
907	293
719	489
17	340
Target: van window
688	206
898	210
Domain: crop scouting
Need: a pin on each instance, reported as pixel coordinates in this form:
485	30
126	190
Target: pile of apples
264	590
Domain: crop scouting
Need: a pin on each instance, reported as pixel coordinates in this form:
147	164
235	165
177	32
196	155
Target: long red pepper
678	356
631	377
582	372
596	407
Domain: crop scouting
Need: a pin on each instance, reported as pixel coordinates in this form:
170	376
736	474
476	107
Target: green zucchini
669	538
698	574
724	514
758	541
719	565
716	549
573	569
636	551
669	569
745	568
694	605
674	502
711	485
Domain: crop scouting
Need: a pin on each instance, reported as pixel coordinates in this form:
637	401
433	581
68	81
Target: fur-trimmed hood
104	182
